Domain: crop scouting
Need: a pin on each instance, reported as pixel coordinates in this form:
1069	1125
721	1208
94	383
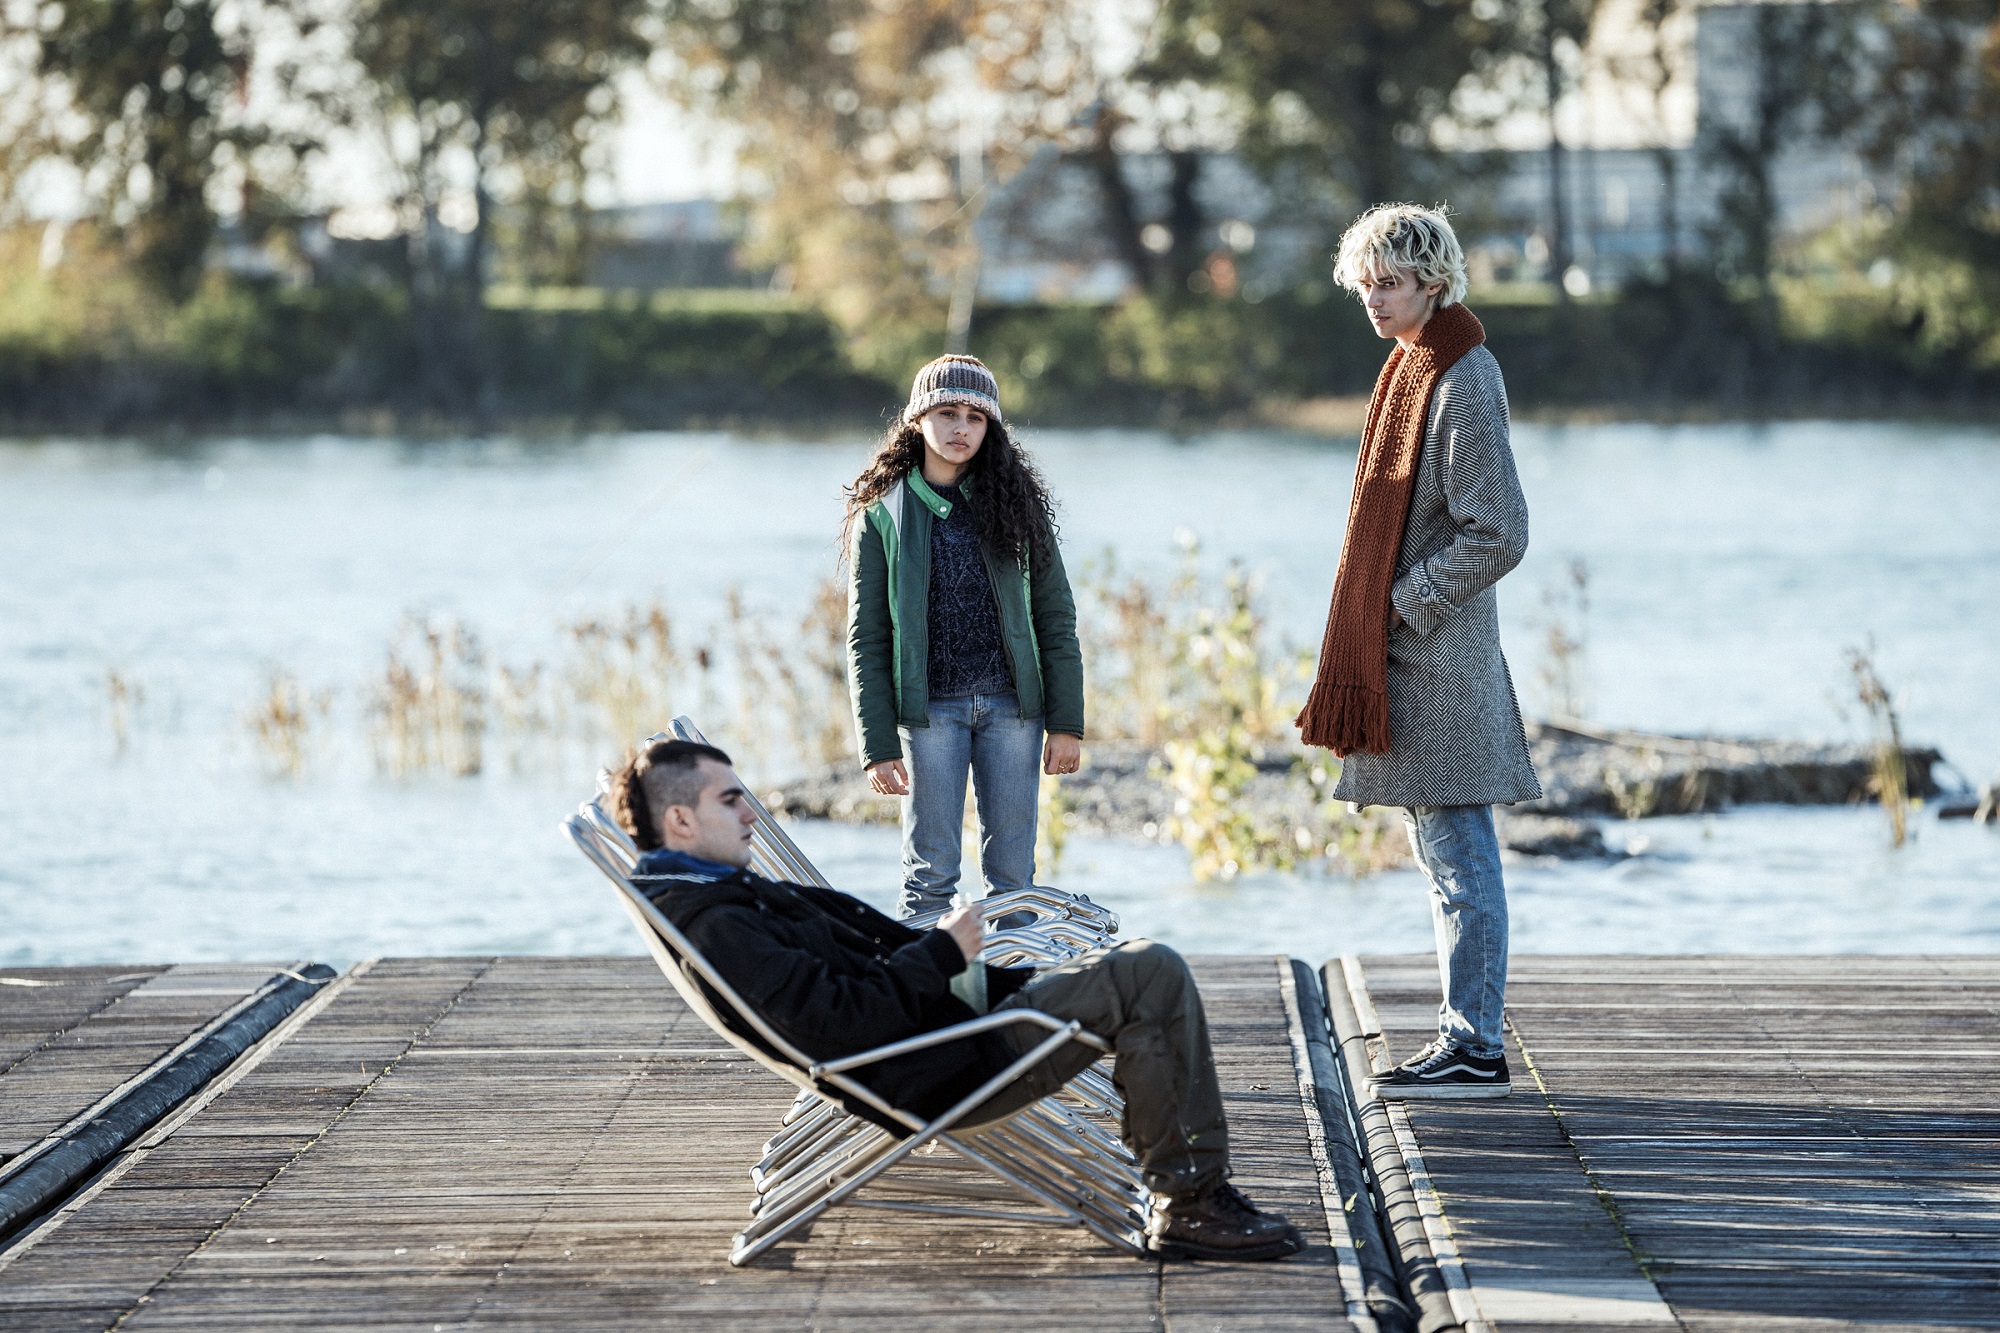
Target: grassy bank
85	348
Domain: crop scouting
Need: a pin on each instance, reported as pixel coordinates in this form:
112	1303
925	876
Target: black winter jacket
834	976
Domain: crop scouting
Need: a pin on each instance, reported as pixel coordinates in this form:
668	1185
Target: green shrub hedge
239	354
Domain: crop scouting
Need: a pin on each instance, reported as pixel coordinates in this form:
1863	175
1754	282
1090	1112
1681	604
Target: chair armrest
989	908
999	1018
1045	904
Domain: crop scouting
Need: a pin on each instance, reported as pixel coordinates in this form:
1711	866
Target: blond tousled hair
1407	238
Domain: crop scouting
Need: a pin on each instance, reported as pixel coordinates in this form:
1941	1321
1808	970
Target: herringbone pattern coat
1455	735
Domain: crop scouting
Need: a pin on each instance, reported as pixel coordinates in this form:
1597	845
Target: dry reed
429	706
1565	639
1188	665
123	696
1891	780
623	672
283	722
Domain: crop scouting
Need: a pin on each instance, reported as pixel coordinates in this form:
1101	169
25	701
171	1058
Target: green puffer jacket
888	624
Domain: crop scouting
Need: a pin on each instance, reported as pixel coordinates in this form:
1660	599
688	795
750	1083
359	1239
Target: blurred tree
1558	32
1119	209
476	100
141	96
1348	90
1654	68
1804	69
870	130
1937	122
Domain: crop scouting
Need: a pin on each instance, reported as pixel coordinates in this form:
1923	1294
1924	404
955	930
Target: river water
1730	568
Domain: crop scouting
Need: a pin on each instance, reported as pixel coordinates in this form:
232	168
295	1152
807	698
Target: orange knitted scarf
1348	709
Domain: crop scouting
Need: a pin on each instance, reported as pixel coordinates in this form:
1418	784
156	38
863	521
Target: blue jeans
983	734
1457	848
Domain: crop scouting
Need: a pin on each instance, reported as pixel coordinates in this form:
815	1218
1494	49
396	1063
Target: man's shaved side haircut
665	773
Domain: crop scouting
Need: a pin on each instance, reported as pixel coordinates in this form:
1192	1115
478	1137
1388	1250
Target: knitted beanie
954	379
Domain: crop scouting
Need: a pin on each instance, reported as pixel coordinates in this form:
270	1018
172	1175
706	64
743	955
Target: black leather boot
1219	1224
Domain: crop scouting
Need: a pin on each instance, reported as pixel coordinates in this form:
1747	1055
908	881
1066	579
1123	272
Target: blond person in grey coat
1412	689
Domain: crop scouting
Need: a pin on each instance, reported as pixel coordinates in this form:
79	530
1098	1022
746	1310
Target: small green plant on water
1360	842
1890	781
1234	703
1212	760
1209	774
1128	632
1637	793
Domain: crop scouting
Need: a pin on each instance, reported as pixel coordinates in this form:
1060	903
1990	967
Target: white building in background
684	243
1043	235
1617	195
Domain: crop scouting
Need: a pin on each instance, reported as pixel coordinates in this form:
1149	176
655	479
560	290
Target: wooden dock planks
131	1236
68	1036
1522	1223
1788	1143
1765	1143
557	1142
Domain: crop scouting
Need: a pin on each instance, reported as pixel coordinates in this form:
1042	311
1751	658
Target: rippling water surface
1730	566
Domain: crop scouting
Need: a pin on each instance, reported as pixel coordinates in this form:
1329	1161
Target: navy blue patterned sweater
967	653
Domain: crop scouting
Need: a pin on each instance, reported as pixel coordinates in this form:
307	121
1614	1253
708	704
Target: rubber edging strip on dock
1382	1286
1417	1266
51	1178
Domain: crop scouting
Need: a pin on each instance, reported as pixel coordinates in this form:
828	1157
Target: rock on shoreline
1586	774
1634	774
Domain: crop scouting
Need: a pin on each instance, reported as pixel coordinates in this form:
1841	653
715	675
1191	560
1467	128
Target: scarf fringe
1345	718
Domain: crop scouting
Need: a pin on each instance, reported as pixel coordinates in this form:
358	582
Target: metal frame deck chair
1058	927
1058	1153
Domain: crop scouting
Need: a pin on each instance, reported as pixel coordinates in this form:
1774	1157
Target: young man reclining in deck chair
836	977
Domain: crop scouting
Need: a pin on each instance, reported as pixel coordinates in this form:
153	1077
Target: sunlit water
1730	568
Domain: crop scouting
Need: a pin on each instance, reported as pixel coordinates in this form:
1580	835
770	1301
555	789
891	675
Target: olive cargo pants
1139	996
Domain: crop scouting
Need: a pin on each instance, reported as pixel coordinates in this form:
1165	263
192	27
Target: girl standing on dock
961	633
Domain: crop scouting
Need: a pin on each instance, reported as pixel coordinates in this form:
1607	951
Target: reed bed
1186	665
440	703
429	707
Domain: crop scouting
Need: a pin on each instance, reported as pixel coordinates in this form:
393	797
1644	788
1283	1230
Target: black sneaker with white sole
1442	1071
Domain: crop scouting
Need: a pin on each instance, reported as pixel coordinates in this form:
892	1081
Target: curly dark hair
1014	515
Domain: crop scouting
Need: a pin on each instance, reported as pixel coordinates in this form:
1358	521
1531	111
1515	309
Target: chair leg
828	1166
1073	1157
803	1151
1114	1215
